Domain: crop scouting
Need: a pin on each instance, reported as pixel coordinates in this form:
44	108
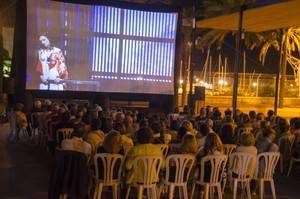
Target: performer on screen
51	66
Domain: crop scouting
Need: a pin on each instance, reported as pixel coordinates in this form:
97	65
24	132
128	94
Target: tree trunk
282	75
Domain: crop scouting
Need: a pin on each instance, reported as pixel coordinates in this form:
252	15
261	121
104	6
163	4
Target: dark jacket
69	176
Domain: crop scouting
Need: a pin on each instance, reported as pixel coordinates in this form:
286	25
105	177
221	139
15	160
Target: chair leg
234	188
96	192
128	191
115	191
193	190
290	167
224	184
140	192
171	191
185	192
100	189
273	189
261	188
206	191
154	192
248	190
219	191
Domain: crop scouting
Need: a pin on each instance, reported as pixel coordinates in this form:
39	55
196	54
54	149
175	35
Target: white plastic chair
66	134
164	149
149	164
266	164
183	164
229	148
217	164
244	171
110	179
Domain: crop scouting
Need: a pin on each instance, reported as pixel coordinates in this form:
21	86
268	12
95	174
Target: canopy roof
258	17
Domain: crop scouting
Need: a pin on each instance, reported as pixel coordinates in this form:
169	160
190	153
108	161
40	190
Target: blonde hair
189	144
213	143
247	139
112	142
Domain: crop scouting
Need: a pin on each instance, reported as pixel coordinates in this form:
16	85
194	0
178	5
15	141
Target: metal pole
237	60
277	81
191	77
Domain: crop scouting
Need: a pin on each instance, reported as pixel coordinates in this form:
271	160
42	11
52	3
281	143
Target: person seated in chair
76	143
143	148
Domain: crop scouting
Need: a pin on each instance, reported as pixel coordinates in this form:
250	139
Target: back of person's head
187	125
245	118
296	124
144	136
283	125
213	143
79	130
228	112
120	127
247	139
252	115
144	123
270	113
18	107
96	124
227	132
156	127
112	142
189	144
269	133
203	128
260	116
120	117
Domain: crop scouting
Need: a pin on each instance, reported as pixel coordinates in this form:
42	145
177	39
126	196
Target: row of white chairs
183	163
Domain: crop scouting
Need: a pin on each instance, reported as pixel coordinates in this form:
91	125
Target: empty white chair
62	134
151	167
178	168
229	148
217	165
241	170
266	164
293	160
111	167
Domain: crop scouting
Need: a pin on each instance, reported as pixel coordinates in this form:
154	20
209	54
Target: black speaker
199	93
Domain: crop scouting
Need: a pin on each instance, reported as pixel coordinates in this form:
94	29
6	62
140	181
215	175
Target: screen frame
134	6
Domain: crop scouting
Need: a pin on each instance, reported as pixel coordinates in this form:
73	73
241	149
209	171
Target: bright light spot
225	83
291	85
181	81
221	82
254	84
197	79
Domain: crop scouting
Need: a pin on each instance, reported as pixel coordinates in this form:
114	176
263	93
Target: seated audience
144	147
112	143
203	131
76	143
127	142
188	145
95	137
227	134
266	143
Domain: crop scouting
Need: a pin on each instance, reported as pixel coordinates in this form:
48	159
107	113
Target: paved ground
24	173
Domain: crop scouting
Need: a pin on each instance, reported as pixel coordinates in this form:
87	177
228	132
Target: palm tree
287	42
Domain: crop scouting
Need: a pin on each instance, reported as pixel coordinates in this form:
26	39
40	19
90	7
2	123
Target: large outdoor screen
99	48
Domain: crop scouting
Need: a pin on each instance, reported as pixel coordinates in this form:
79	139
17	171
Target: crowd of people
134	133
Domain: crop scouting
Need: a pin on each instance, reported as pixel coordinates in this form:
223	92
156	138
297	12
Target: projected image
99	48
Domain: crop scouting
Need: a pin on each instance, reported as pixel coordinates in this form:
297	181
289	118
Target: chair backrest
150	165
242	164
286	144
111	165
182	163
164	149
62	134
266	164
217	165
229	148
